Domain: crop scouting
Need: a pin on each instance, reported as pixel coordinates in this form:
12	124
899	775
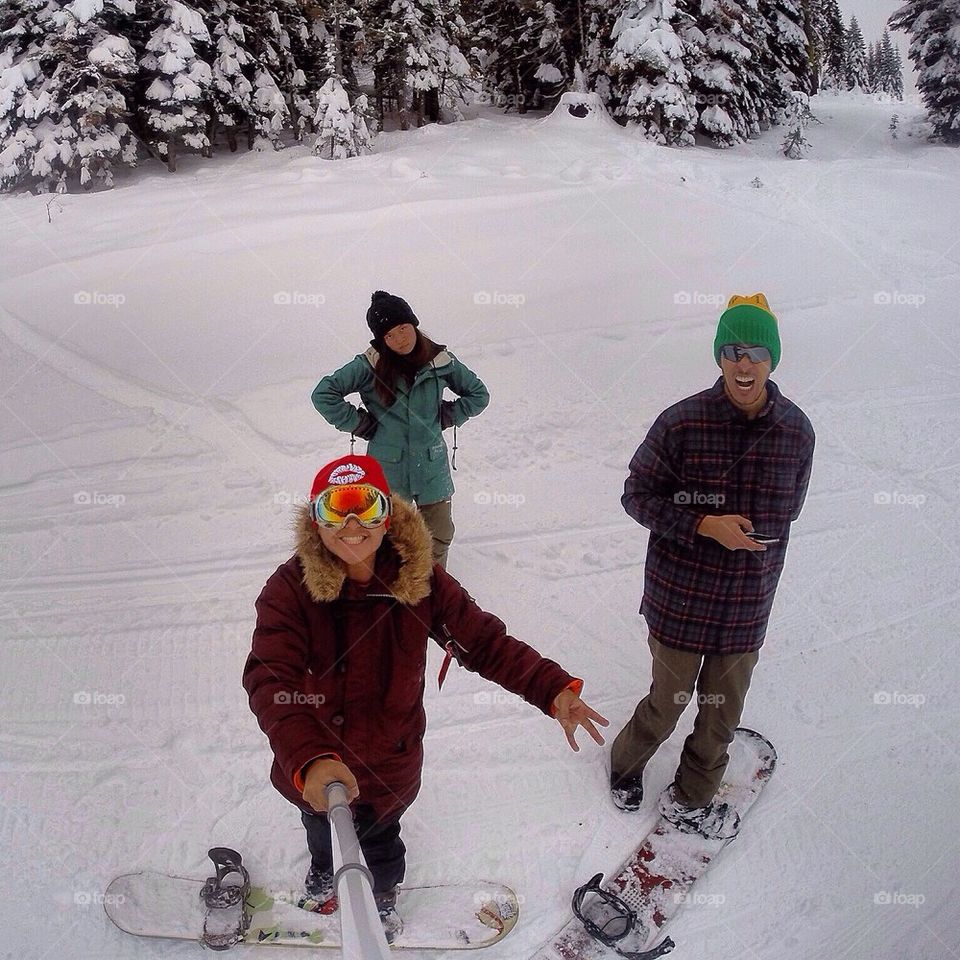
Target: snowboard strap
217	896
610	920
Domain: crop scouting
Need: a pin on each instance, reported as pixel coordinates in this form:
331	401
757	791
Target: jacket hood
324	574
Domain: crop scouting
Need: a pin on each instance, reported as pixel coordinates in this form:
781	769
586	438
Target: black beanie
386	312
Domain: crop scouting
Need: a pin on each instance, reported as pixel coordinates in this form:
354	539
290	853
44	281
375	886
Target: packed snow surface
159	345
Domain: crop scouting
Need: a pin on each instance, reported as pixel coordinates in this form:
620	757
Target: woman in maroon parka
336	673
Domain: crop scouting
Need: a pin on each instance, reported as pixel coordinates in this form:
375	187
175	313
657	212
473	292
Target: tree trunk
211	135
172	155
402	109
431	100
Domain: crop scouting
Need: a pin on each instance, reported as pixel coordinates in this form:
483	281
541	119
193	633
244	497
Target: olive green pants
439	518
721	684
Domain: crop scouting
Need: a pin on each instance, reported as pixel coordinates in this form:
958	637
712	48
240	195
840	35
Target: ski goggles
336	505
733	352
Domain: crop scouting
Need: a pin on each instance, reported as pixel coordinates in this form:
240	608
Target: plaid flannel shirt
703	456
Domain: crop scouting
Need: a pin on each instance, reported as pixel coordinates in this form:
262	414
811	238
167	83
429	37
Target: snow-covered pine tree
795	144
554	72
810	10
595	24
341	126
786	56
856	57
264	39
505	45
417	60
65	93
528	51
573	35
23	37
833	42
896	71
873	67
651	64
728	81
233	69
302	37
934	28
889	71
453	73
177	80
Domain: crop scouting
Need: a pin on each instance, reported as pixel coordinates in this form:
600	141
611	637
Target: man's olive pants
721	684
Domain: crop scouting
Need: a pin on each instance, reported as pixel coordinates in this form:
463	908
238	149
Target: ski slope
158	346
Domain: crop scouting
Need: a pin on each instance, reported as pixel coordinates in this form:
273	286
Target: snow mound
583	111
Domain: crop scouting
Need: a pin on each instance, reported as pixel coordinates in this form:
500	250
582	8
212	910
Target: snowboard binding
609	920
226	920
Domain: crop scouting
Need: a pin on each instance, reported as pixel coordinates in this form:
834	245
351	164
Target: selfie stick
361	932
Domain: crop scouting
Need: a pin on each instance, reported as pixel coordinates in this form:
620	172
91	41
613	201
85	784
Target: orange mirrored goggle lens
336	505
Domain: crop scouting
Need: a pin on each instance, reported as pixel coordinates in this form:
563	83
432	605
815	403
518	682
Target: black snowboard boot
319	884
716	821
627	792
387	908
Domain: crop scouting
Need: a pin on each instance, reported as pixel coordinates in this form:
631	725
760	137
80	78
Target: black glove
366	427
446	413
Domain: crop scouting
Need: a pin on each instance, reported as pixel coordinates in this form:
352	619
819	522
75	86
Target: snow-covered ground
159	345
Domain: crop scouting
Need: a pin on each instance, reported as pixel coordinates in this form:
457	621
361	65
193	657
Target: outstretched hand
571	712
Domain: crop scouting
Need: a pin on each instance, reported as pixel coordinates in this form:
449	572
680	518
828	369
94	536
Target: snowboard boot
716	821
387	908
627	792
319	888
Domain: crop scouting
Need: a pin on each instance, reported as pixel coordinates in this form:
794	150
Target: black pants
380	842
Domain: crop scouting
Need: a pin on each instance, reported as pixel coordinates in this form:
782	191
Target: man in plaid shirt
718	481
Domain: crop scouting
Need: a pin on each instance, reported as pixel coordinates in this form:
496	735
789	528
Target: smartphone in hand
762	538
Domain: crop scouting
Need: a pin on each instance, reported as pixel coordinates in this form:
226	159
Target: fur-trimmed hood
324	574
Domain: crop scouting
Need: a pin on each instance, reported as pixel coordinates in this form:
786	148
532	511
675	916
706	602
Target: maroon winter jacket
338	667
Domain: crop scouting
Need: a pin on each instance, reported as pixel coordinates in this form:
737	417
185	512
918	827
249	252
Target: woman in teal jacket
401	379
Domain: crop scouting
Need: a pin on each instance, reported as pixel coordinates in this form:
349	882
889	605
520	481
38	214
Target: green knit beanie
749	320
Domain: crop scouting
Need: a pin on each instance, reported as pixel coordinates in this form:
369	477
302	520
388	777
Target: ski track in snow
184	419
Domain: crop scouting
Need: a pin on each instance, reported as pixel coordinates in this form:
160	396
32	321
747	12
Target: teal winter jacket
408	440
